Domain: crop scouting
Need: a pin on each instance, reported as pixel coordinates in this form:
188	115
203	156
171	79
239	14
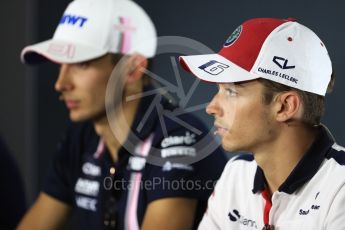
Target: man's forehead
252	86
242	84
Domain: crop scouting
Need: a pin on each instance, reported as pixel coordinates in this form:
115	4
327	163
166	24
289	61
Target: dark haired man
94	174
272	76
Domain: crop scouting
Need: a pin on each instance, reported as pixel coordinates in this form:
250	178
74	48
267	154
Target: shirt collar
141	127
306	168
147	117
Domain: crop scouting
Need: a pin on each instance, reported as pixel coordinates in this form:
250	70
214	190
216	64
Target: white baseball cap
91	28
280	50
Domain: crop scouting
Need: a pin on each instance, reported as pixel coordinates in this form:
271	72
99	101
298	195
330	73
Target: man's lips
71	104
220	129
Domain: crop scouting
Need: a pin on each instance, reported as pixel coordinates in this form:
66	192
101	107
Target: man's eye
231	92
83	65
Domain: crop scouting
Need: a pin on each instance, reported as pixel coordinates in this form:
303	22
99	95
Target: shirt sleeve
59	181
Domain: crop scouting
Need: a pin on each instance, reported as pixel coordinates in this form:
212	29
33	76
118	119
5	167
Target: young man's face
242	120
83	87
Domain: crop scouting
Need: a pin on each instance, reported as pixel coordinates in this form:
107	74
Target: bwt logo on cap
73	20
213	67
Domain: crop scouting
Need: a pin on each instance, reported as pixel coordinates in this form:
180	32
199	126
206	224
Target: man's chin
94	117
74	117
233	148
230	147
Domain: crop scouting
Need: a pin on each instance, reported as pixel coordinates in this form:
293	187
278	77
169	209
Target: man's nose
64	83
213	107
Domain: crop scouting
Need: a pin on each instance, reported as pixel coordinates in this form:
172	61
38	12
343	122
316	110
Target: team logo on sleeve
233	37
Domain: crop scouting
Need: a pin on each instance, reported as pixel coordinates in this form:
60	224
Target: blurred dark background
32	119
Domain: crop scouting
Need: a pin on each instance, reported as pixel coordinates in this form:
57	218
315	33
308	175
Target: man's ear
288	106
137	64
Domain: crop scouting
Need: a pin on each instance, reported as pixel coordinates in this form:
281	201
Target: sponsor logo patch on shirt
136	163
87	187
235	216
168	166
86	203
178	151
188	139
91	169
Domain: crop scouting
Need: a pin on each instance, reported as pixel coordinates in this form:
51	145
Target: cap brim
215	68
59	51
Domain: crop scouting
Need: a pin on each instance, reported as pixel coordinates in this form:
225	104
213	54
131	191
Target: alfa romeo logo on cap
233	37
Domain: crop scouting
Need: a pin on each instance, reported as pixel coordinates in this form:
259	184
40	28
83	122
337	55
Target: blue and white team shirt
82	164
311	198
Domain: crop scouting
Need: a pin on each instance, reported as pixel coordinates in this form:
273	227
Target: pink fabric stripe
126	36
136	179
146	146
133	221
100	149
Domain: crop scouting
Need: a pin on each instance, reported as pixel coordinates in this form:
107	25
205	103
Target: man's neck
123	124
281	156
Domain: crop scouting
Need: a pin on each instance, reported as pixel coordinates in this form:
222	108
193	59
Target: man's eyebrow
235	84
240	84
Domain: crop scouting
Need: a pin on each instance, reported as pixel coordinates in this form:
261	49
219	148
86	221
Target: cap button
292	19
